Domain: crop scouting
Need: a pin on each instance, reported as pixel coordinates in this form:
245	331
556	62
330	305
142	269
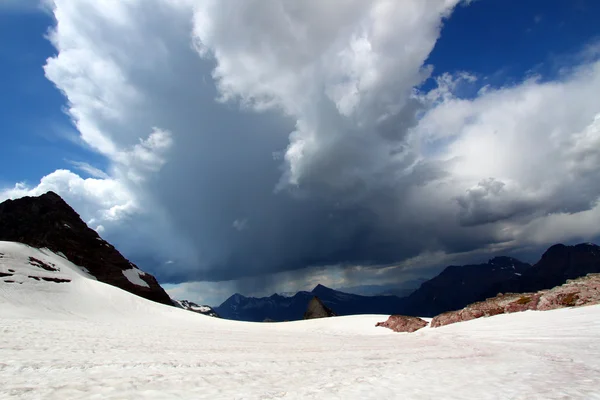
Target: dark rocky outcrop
402	323
49	222
316	309
574	293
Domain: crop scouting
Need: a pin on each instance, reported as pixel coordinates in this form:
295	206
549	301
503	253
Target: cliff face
49	222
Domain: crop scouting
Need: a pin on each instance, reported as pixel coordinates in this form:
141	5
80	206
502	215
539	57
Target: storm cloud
249	138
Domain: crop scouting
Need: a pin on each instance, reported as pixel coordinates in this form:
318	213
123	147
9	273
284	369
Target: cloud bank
251	138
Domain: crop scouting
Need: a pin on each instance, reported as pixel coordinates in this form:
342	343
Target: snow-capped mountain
49	222
191	306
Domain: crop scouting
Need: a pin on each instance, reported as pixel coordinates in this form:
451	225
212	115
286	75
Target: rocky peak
49	222
316	309
555	250
321	289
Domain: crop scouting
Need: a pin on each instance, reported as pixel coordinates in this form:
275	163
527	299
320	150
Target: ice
85	339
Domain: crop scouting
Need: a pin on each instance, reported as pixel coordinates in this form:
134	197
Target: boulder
402	323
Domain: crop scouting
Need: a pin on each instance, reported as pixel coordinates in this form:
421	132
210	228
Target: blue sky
292	178
39	135
501	37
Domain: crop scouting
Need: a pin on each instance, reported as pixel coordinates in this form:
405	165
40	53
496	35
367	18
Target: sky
266	145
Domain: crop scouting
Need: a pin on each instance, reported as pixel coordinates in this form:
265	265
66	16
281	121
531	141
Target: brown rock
401	323
574	293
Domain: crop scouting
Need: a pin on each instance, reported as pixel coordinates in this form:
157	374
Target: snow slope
84	339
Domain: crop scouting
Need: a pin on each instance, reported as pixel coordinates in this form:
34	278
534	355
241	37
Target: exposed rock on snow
49	222
316	309
26	266
574	293
190	306
402	323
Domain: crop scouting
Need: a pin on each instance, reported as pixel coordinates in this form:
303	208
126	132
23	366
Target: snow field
88	340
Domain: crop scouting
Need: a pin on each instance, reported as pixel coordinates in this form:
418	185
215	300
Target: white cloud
95	199
521	152
90	169
314	58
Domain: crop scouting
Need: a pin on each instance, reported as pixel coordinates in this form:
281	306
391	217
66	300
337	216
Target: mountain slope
37	283
457	286
49	222
557	264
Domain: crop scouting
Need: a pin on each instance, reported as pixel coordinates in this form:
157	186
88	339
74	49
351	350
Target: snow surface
134	276
200	308
85	339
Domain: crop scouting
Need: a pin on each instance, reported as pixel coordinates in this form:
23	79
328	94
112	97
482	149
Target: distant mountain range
454	288
280	308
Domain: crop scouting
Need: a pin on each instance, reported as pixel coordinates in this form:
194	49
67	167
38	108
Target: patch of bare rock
575	293
402	323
